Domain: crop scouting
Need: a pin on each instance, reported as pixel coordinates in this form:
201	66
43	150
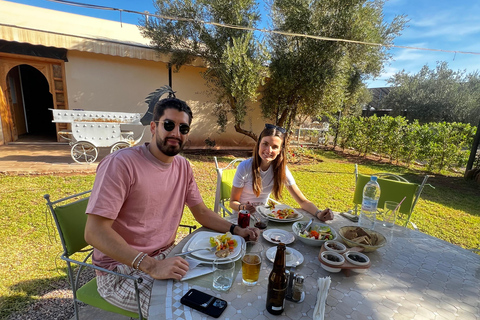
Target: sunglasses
169	125
272	126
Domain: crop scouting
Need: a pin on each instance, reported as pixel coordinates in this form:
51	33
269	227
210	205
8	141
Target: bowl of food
333	259
333	245
369	240
315	235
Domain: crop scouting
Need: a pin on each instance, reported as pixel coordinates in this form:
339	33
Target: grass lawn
30	249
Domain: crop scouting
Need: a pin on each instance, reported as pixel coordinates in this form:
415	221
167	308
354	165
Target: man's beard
169	150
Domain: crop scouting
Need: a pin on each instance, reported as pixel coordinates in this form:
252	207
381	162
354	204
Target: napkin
195	270
323	286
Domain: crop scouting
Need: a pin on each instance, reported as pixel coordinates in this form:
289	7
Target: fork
188	252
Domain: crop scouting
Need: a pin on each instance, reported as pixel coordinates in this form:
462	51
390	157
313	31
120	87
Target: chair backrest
70	219
390	190
224	183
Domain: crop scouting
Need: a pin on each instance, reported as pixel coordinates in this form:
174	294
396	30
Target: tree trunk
245	132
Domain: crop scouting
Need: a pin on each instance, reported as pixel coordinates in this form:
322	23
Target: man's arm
99	234
211	220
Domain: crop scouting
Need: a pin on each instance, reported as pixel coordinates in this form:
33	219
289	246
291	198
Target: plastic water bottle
371	194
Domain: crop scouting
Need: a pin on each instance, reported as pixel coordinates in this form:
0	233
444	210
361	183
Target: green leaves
310	77
234	58
439	145
435	95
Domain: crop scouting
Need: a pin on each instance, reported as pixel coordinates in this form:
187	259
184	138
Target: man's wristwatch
232	227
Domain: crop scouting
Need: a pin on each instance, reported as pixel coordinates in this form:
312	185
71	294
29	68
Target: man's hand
248	233
169	268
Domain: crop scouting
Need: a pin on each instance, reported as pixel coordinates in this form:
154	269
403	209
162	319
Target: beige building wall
107	83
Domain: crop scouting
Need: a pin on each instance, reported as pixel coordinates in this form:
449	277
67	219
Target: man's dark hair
171	103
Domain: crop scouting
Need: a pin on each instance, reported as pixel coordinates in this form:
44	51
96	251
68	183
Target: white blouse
244	177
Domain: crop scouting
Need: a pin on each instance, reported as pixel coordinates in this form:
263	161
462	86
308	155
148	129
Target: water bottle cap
373	178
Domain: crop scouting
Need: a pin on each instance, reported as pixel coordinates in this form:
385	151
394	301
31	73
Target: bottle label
369	205
277	308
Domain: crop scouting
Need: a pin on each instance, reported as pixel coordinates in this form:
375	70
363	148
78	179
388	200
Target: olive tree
234	58
435	95
311	77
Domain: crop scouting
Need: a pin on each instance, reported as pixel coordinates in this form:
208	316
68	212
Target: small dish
278	235
335	246
357	258
293	258
333	259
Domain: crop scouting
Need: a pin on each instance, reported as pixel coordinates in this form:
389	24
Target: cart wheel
119	145
84	152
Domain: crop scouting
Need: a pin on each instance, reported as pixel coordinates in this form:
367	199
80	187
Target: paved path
31	158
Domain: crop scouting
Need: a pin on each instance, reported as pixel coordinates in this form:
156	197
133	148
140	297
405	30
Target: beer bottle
277	283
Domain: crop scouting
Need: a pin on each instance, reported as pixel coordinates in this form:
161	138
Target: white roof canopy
38	26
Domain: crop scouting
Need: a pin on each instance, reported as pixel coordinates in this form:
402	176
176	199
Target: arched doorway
31	99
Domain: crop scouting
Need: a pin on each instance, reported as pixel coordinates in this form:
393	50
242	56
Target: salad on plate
286	213
224	243
318	233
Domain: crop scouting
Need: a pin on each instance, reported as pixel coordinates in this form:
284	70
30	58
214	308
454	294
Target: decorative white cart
95	129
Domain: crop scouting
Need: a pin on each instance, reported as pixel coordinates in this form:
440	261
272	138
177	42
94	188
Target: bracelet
140	261
133	262
232	227
316	213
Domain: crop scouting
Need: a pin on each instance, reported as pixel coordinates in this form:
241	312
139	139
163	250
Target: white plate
265	212
293	258
278	234
201	240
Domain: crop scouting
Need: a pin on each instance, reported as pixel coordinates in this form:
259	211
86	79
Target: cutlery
188	252
306	226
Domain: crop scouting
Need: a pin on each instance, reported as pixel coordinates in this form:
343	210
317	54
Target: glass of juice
251	262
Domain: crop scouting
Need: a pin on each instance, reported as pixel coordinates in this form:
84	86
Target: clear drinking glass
251	262
389	213
261	222
223	271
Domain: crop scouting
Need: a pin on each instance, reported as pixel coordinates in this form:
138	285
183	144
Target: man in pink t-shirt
136	207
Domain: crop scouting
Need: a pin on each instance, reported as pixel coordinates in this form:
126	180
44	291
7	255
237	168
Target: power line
230	26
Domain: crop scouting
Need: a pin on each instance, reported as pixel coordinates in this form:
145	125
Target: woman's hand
251	208
325	215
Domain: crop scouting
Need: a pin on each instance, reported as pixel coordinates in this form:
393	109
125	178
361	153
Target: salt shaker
298	291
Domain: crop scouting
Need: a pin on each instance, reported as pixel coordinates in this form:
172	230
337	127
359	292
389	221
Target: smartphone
204	302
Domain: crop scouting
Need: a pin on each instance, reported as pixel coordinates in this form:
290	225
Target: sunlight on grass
29	258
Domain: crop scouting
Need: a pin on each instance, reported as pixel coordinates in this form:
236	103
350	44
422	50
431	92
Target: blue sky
434	24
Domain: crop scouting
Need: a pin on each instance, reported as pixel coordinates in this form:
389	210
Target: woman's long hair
278	165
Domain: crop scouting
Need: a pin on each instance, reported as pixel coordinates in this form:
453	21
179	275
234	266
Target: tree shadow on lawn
42	298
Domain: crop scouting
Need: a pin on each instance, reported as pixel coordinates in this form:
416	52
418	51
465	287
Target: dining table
413	276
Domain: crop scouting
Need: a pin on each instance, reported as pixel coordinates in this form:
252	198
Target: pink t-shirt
144	196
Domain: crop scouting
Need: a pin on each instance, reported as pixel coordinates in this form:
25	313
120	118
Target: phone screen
204	302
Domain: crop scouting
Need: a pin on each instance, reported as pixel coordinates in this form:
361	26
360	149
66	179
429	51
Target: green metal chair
70	219
393	188
224	185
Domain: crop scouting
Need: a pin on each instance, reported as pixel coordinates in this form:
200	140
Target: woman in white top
266	173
